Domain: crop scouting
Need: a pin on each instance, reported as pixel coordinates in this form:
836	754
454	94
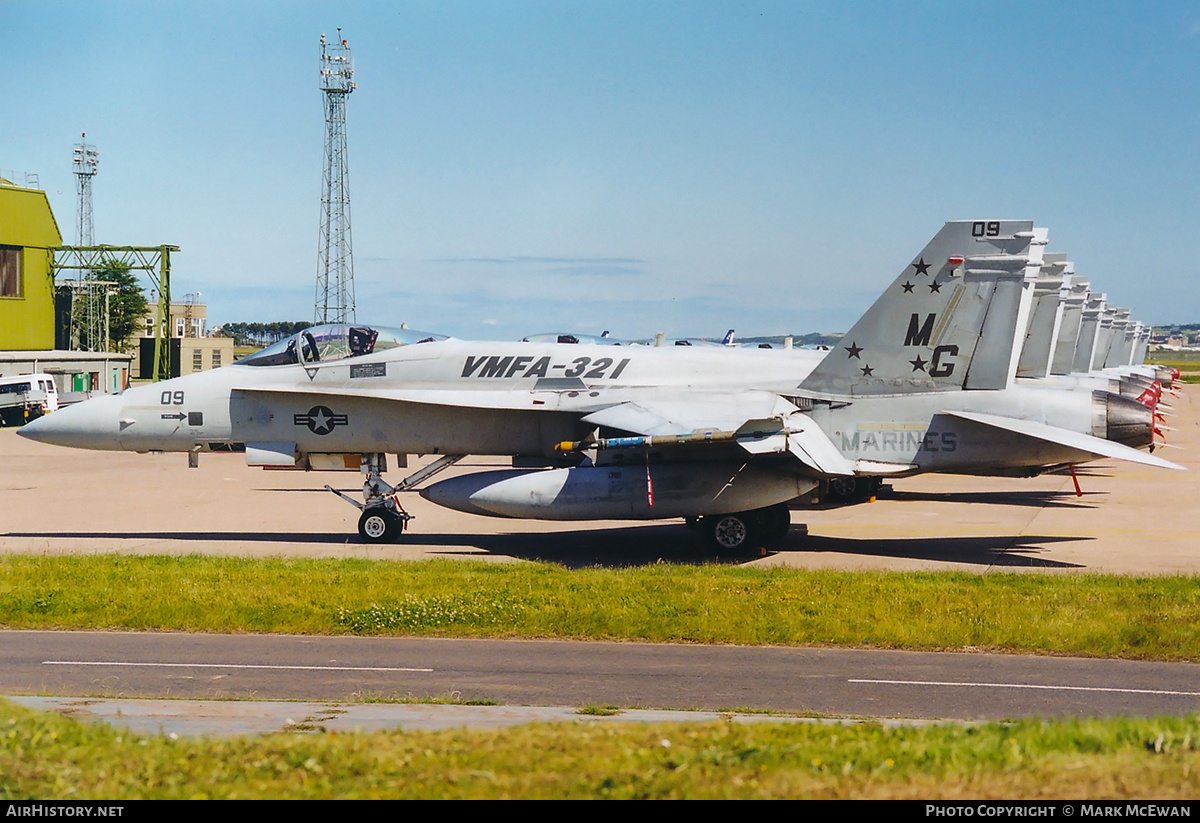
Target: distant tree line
262	334
798	340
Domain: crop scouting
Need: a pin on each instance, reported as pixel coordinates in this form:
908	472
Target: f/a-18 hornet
727	438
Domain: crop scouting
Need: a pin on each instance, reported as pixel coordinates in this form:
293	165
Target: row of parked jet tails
986	356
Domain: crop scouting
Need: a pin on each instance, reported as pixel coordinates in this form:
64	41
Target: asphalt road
836	682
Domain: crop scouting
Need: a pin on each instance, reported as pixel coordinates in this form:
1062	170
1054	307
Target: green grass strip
1078	614
43	755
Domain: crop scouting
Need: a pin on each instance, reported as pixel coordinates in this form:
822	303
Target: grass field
1150	618
1187	362
43	755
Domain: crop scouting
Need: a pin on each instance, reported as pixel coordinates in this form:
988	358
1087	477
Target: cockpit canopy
321	344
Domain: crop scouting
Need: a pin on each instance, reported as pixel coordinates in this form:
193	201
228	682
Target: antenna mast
87	163
335	258
89	296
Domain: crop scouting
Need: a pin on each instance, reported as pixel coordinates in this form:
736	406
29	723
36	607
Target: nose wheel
380	524
383	519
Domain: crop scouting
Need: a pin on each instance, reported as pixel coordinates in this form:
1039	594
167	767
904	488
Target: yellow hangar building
28	235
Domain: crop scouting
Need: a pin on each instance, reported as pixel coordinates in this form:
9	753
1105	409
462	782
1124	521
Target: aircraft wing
649	411
466	398
1064	437
760	423
665	413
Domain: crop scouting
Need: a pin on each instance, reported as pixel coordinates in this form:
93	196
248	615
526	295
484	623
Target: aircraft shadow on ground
1036	499
198	537
1008	551
650	544
640	545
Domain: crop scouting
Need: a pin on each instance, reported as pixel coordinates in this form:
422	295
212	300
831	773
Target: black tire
379	525
777	521
850	490
730	532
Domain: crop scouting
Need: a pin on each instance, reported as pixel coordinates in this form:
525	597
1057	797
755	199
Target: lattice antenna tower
89	297
335	258
87	163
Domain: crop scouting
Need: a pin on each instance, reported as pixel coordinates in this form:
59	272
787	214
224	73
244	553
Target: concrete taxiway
225	718
1131	519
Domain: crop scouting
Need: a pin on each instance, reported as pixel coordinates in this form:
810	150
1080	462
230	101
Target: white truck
26	397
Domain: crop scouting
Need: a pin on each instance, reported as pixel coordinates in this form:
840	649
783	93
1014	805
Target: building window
179	327
197	360
11	282
216	358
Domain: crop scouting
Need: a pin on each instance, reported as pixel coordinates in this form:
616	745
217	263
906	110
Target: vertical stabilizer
1116	339
1045	317
1073	297
1121	352
948	322
1089	332
1141	345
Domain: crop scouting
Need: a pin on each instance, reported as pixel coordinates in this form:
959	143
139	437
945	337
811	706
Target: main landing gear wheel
850	490
379	524
742	530
730	532
775	521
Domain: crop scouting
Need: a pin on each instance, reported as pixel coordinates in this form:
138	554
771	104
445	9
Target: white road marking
1026	686
230	666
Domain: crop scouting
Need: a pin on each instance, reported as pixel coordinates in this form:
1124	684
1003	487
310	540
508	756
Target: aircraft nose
93	424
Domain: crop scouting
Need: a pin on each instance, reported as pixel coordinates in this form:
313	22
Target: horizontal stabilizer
812	448
1074	440
875	468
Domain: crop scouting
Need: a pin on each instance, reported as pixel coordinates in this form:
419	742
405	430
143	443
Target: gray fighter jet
725	437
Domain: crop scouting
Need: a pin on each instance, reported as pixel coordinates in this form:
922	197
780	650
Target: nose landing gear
381	524
383	519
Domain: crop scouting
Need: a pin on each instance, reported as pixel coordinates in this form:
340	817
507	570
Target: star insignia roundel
918	364
921	266
854	350
320	420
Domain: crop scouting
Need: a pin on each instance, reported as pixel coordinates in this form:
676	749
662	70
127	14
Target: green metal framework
154	260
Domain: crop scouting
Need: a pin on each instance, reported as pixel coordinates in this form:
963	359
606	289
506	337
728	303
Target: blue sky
518	167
